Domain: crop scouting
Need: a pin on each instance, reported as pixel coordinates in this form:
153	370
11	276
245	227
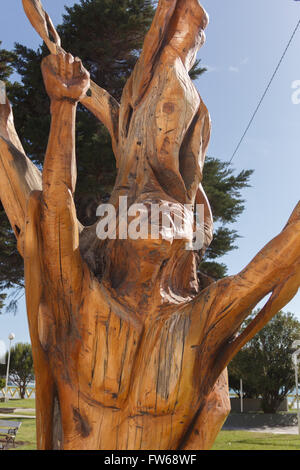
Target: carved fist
65	78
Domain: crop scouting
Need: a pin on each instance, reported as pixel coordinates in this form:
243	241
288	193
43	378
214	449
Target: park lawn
26	437
227	440
245	440
27	403
24	412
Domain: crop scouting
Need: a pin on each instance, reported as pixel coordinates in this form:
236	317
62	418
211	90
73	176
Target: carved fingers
295	216
65	77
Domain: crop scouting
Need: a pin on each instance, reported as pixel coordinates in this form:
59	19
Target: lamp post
295	362
11	337
241	394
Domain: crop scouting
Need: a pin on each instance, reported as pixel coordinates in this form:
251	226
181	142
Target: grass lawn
27	403
25	439
243	440
227	440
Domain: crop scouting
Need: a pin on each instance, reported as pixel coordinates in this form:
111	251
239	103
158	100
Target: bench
8	432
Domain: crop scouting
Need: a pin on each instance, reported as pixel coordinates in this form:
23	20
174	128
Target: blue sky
244	43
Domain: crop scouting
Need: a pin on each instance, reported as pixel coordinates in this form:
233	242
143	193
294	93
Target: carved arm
100	103
66	82
218	312
106	109
152	45
18	175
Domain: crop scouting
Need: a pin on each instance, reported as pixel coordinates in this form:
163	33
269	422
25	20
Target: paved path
15	410
5	415
281	423
267	429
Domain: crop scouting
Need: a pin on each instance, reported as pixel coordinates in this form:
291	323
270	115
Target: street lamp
295	362
11	337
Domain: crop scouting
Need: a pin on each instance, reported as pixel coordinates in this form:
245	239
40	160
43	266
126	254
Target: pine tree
6	63
223	190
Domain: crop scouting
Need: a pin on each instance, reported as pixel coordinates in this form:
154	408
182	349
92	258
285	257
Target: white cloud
2	352
236	69
210	68
245	61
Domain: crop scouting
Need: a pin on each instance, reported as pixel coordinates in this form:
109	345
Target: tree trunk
22	390
130	350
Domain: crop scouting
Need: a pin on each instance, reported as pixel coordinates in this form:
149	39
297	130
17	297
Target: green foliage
213	269
116	32
265	363
11	269
223	190
7	59
245	440
21	371
2	383
11	264
18	403
2	299
196	70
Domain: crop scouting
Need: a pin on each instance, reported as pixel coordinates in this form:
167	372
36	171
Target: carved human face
186	33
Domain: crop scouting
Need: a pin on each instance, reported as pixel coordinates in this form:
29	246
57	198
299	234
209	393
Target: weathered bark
130	351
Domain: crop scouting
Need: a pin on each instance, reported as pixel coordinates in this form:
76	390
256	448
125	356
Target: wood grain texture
130	349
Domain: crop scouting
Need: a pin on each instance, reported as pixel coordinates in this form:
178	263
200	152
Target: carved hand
65	77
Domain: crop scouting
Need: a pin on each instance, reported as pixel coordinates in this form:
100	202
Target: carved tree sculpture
130	349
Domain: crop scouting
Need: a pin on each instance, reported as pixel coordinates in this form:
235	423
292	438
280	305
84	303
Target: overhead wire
265	92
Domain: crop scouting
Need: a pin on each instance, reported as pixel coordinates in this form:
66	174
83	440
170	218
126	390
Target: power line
265	92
